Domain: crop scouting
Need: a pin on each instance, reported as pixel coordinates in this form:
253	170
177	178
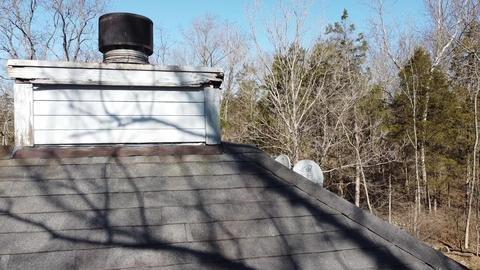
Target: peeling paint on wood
212	115
23	103
97	74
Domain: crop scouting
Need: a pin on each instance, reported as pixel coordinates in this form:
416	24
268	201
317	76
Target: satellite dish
310	170
284	160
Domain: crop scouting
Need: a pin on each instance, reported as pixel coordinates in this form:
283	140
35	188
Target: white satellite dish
284	160
310	170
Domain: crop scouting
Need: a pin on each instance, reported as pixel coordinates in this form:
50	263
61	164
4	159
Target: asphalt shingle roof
234	210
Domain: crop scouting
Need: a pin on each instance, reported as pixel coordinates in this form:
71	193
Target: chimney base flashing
125	56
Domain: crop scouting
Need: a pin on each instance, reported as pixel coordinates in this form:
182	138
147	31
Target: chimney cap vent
125	31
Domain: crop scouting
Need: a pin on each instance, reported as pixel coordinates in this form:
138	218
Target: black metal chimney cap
125	31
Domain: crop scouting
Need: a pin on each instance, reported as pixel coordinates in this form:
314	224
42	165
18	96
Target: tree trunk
418	203
406	176
423	164
478	238
295	143
360	174
357	157
448	196
426	192
365	187
340	188
357	184
389	197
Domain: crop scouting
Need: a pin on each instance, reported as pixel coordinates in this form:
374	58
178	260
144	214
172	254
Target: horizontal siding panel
117	122
116	108
119	95
118	136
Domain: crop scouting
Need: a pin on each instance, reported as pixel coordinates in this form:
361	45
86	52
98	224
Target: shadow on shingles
142	238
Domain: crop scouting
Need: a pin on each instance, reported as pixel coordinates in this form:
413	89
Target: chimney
125	38
123	100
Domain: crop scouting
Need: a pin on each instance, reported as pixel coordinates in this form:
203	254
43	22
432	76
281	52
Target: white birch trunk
418	203
389	198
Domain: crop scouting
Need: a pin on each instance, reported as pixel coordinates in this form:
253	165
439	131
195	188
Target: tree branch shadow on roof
110	234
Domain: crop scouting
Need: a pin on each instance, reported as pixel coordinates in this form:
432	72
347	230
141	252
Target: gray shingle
86	186
91	258
328	260
369	259
233	211
123	258
5	188
56	203
4	262
243	248
192	266
32	242
259	228
81	220
230	230
211	196
120	160
63	203
15	243
414	266
42	261
165	215
273	263
36	173
180	169
352	239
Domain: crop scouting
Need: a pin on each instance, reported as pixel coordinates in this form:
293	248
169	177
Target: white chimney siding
99	103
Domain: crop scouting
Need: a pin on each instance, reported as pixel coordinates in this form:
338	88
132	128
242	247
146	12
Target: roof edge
389	232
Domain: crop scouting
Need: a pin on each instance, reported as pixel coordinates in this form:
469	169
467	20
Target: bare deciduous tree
214	43
292	91
162	51
44	29
18	36
74	27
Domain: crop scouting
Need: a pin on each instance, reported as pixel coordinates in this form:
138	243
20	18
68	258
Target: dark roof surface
235	210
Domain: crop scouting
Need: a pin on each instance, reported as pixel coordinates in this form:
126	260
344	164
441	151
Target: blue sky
173	15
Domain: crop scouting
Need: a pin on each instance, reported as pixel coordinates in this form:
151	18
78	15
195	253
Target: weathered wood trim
23	107
212	115
110	77
17	63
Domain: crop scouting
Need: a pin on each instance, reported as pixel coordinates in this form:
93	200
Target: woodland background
392	118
